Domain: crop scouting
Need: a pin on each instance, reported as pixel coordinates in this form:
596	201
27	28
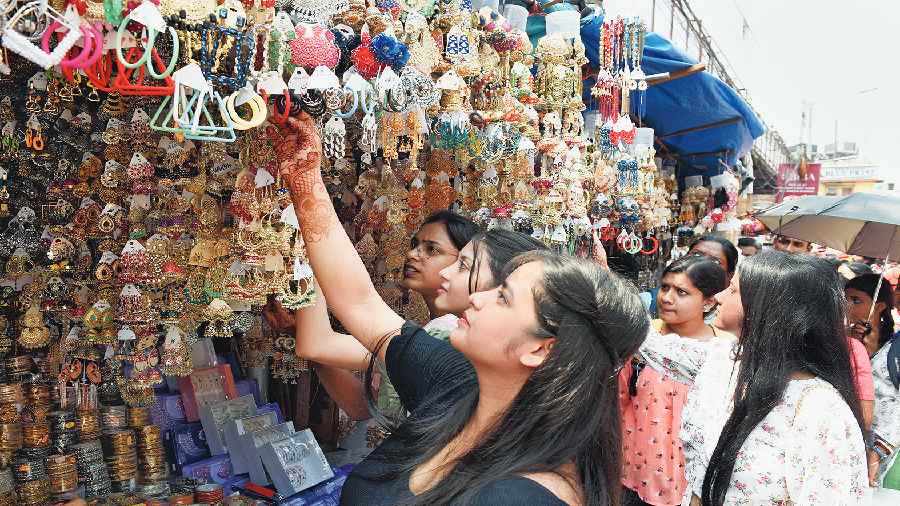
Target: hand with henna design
299	152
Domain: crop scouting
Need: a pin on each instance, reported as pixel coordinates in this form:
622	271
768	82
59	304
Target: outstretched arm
339	270
317	341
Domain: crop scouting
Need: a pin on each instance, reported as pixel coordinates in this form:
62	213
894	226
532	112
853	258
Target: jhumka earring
35	333
218	317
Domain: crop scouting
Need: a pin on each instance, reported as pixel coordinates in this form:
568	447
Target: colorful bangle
352	111
175	52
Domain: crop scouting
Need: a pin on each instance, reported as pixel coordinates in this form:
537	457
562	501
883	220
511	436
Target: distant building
843	175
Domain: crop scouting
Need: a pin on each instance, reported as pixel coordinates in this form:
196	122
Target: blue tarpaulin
690	102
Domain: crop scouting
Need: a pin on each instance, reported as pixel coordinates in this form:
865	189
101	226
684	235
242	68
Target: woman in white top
776	420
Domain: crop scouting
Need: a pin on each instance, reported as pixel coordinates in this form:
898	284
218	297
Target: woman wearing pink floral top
651	401
776	420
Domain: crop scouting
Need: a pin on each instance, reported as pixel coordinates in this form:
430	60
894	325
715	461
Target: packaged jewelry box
214	416
295	463
272	407
234	429
255	440
167	411
216	469
204	387
248	387
327	493
185	444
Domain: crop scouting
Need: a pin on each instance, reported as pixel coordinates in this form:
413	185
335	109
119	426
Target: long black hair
866	284
460	229
501	246
705	274
793	321
731	253
567	410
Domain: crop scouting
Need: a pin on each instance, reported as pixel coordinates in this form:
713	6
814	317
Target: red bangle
655	247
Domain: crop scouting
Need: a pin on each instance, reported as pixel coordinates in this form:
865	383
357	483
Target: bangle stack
17	366
62	473
88	424
63	432
91	468
10	402
121	459
113	417
209	493
139	416
7	488
152	456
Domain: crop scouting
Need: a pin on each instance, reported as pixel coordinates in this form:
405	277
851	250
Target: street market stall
144	222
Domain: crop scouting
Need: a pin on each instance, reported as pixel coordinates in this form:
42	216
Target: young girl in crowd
520	408
435	246
651	402
776	420
875	329
478	267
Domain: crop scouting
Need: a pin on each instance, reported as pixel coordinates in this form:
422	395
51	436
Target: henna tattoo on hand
299	151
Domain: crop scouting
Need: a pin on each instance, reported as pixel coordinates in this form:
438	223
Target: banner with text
794	180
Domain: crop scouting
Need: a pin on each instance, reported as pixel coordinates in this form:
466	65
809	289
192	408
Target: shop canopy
698	118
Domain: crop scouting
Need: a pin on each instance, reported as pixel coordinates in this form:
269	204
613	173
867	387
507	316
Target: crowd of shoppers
753	386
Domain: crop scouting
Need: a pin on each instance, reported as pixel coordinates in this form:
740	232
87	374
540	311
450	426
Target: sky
841	57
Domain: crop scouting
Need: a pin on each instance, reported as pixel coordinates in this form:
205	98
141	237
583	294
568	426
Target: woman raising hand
519	407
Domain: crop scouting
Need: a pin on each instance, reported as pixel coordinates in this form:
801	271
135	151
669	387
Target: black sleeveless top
430	375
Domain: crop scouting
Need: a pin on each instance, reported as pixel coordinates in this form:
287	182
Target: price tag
289	217
271	83
148	15
302	270
191	75
357	83
298	81
244	95
39	81
263	178
274	263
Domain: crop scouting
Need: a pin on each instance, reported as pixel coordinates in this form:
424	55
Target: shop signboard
791	181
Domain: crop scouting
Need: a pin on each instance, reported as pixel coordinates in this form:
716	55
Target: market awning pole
881	277
678	74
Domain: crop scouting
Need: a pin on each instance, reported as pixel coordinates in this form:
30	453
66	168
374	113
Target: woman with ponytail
651	401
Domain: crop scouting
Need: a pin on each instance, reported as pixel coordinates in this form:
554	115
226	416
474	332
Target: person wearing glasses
519	407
